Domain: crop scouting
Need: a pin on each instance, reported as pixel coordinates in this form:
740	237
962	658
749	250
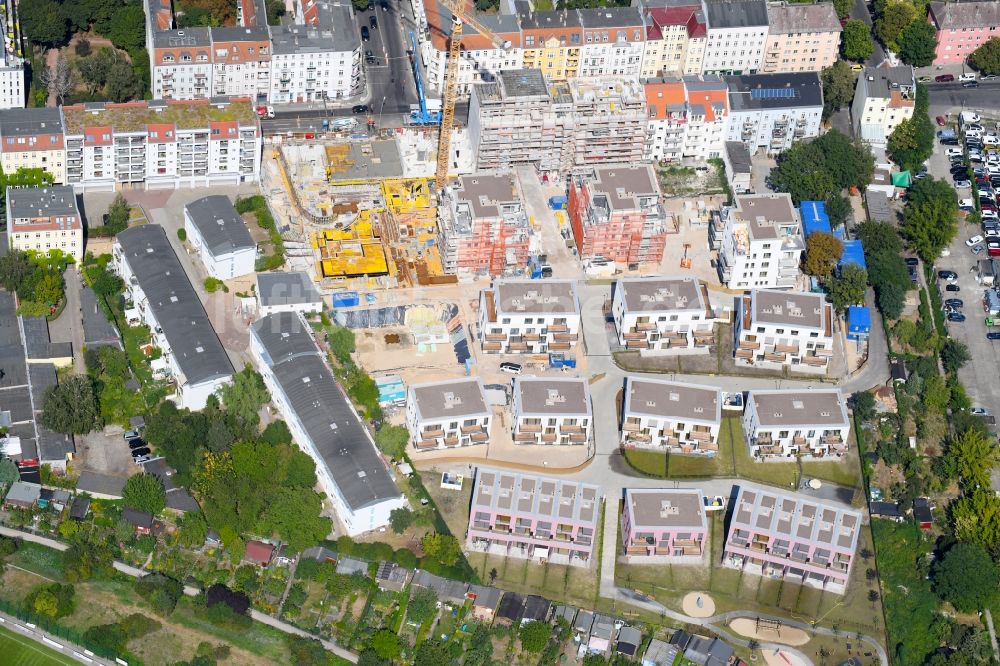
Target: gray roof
23	493
484	193
535	297
568	396
735	13
54	200
883	81
958	15
446	589
610	17
525	495
584	621
174	302
336	30
795	519
36	339
523	83
660	653
42	376
631	637
97	330
536	608
219	224
673	400
137	518
806	86
292	288
486	597
239	34
816	407
457	398
662	294
104	484
652	508
799	18
708	651
789	308
31	122
739	157
350	565
622	186
185	37
325	413
284	335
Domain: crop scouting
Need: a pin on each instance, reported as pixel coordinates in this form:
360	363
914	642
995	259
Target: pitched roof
221	227
798	18
958	15
723	14
258	552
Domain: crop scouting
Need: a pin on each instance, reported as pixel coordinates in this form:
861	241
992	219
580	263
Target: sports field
19	650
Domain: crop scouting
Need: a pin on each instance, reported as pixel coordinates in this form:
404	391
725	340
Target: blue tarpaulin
859	322
814	217
390	389
854	253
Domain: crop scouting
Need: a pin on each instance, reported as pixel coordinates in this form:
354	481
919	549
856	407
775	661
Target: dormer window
202	57
185	58
168	57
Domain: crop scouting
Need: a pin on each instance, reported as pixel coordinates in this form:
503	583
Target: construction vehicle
459	14
421	116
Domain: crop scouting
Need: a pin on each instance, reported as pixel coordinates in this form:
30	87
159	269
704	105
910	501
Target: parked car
967	76
993	335
373	22
975	240
941	121
971	84
949	142
365	35
956	317
952	287
962	184
136	443
914	278
144	451
360	108
950	276
993	248
944	78
954	303
953	152
912	261
510	368
975	127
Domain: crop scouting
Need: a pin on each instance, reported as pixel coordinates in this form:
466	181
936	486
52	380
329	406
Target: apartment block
483	225
529	316
159	295
737	32
883	98
447	414
293	291
664	522
675	40
687	117
12	70
552	41
801	38
533	517
962	28
33	139
783	536
759	242
663	315
220	237
613	42
241	61
616	213
181	63
779	329
159	144
552	411
45	218
773	111
781	424
608	122
671	416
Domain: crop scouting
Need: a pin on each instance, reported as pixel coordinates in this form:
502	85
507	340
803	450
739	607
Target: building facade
33	139
529	316
802	541
759	242
780	424
680	418
883	98
293	291
801	38
737	32
220	237
675	40
783	329
613	42
663	315
962	28
533	517
687	117
45	218
552	411
664	522
447	414
773	111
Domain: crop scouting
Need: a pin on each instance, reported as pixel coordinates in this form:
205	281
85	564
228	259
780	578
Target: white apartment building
181	64
529	316
680	418
778	329
663	315
447	414
883	98
613	42
293	291
162	298
241	62
779	424
687	117
737	33
220	237
43	219
552	411
675	40
773	111
759	242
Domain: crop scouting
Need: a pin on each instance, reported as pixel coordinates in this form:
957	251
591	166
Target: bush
212	285
161	591
218	594
182	234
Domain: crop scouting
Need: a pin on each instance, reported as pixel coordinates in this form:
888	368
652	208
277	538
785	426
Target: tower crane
459	14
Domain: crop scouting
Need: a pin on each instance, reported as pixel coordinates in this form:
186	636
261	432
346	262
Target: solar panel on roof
772	93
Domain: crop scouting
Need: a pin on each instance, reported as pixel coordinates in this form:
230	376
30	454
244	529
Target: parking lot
981	376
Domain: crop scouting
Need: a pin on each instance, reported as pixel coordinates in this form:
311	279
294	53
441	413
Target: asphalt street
860	12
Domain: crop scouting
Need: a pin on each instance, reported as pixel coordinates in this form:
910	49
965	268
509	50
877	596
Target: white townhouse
292	291
781	424
665	315
552	411
447	414
220	237
529	316
778	329
773	111
759	242
737	34
677	417
162	297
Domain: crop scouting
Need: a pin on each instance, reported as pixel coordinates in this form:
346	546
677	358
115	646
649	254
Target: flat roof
291	288
547	498
485	192
39	202
662	294
221	227
137	116
175	303
752	92
793	308
458	399
739	157
193	37
764	213
104	484
320	404
334	30
673	400
523	83
623	186
536	297
815	407
551	396
795	519
284	335
652	508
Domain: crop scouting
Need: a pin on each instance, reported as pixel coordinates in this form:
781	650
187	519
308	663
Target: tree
977	519
893	20
987	57
534	636
341	341
918	44
386	644
275	10
161	591
49	289
431	653
192	529
244	398
954	355
848	288
863	404
59	79
123	84
245	579
400	519
856	41
843	7
441	547
71	407
296	515
975	456
930	219
276	432
145	492
82	48
117	218
823	251
966	577
128	28
95	69
54	601
838	209
8	473
838	87
44	22
422	606
392	439
886	269
912	142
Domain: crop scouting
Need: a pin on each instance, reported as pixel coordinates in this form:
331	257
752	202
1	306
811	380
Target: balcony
647	326
571	429
524	437
638	437
634	335
549	437
770	450
631	426
423	444
636	344
431	433
529	427
471	430
774	358
752	345
451	441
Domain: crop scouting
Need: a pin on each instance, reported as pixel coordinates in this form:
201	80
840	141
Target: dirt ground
778	658
690	605
105	452
786	635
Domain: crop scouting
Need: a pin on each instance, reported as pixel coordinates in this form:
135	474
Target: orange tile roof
660	95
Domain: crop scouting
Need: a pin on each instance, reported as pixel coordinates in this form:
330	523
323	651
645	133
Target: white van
968	76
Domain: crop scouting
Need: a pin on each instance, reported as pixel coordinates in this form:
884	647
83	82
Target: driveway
68	327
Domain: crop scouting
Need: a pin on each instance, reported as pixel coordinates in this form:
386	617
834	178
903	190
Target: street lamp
380	112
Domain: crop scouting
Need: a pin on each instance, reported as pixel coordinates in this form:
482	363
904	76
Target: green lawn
19	650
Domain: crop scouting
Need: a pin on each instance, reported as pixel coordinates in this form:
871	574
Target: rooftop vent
797	404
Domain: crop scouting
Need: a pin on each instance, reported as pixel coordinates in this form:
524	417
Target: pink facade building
533	517
781	536
962	28
666	522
